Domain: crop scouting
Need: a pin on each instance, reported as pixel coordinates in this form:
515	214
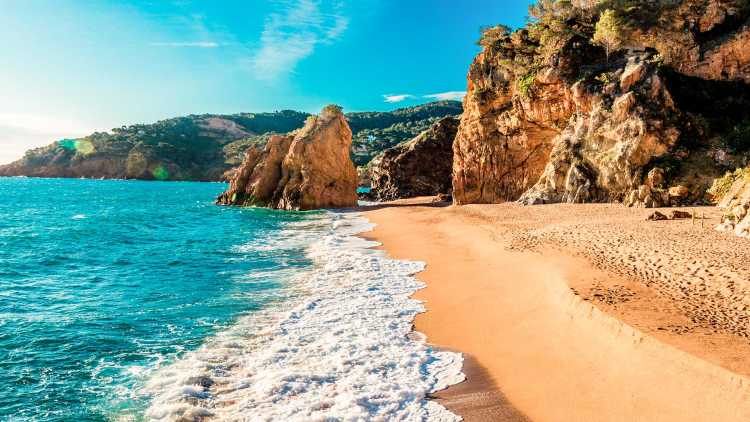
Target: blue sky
73	66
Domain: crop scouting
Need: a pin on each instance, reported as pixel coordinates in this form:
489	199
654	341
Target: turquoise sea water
103	281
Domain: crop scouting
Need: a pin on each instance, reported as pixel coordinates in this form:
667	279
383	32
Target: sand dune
581	313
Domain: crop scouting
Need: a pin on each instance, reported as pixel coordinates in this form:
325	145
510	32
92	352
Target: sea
140	301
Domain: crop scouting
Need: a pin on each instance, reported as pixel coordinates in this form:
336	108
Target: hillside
204	147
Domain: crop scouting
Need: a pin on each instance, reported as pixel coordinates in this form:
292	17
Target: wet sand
580	312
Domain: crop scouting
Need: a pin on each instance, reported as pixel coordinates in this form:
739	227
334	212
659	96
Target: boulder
679	215
419	167
656	216
307	169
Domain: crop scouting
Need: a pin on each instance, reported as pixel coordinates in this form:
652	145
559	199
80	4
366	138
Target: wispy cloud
396	98
293	33
450	95
195	44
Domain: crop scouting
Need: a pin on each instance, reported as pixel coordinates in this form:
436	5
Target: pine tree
608	32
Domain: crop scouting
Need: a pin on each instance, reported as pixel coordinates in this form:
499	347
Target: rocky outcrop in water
307	169
552	116
420	167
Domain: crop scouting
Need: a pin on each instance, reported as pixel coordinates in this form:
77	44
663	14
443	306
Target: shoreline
551	349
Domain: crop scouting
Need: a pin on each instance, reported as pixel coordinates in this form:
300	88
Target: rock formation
618	128
419	167
736	205
549	116
307	169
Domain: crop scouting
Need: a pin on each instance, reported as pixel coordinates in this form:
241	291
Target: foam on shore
336	348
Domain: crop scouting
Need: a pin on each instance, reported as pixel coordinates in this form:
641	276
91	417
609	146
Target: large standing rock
419	167
504	139
308	169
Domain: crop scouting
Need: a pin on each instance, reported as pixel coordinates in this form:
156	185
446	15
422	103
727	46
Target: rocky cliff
419	167
307	169
633	101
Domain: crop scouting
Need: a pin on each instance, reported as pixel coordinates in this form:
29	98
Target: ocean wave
340	349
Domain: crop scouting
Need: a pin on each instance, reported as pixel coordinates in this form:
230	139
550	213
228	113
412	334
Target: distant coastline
205	147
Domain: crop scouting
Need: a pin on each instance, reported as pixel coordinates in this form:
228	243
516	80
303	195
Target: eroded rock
600	155
548	117
420	167
309	168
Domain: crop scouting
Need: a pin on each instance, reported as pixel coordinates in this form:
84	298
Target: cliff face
308	169
709	39
550	116
619	126
419	167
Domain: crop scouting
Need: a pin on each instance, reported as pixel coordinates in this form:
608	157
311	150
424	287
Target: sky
71	67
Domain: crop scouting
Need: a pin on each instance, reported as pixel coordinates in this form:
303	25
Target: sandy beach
580	312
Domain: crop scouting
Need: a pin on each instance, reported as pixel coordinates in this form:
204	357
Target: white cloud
293	33
450	95
396	98
197	44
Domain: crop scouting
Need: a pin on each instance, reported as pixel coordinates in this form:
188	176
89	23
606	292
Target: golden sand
580	312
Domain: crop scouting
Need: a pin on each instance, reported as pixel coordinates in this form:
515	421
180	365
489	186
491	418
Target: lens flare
84	146
79	146
160	173
69	144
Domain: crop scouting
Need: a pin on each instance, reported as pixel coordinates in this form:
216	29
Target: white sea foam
340	350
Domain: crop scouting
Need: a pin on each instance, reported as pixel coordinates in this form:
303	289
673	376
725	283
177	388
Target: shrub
492	34
526	83
331	109
608	33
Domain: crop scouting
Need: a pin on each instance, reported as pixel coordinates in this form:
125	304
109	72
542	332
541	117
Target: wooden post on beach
703	217
693	218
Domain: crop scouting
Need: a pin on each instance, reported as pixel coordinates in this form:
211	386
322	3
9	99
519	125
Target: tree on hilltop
491	34
608	32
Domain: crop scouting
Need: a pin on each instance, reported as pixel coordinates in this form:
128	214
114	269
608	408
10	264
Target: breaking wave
337	348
